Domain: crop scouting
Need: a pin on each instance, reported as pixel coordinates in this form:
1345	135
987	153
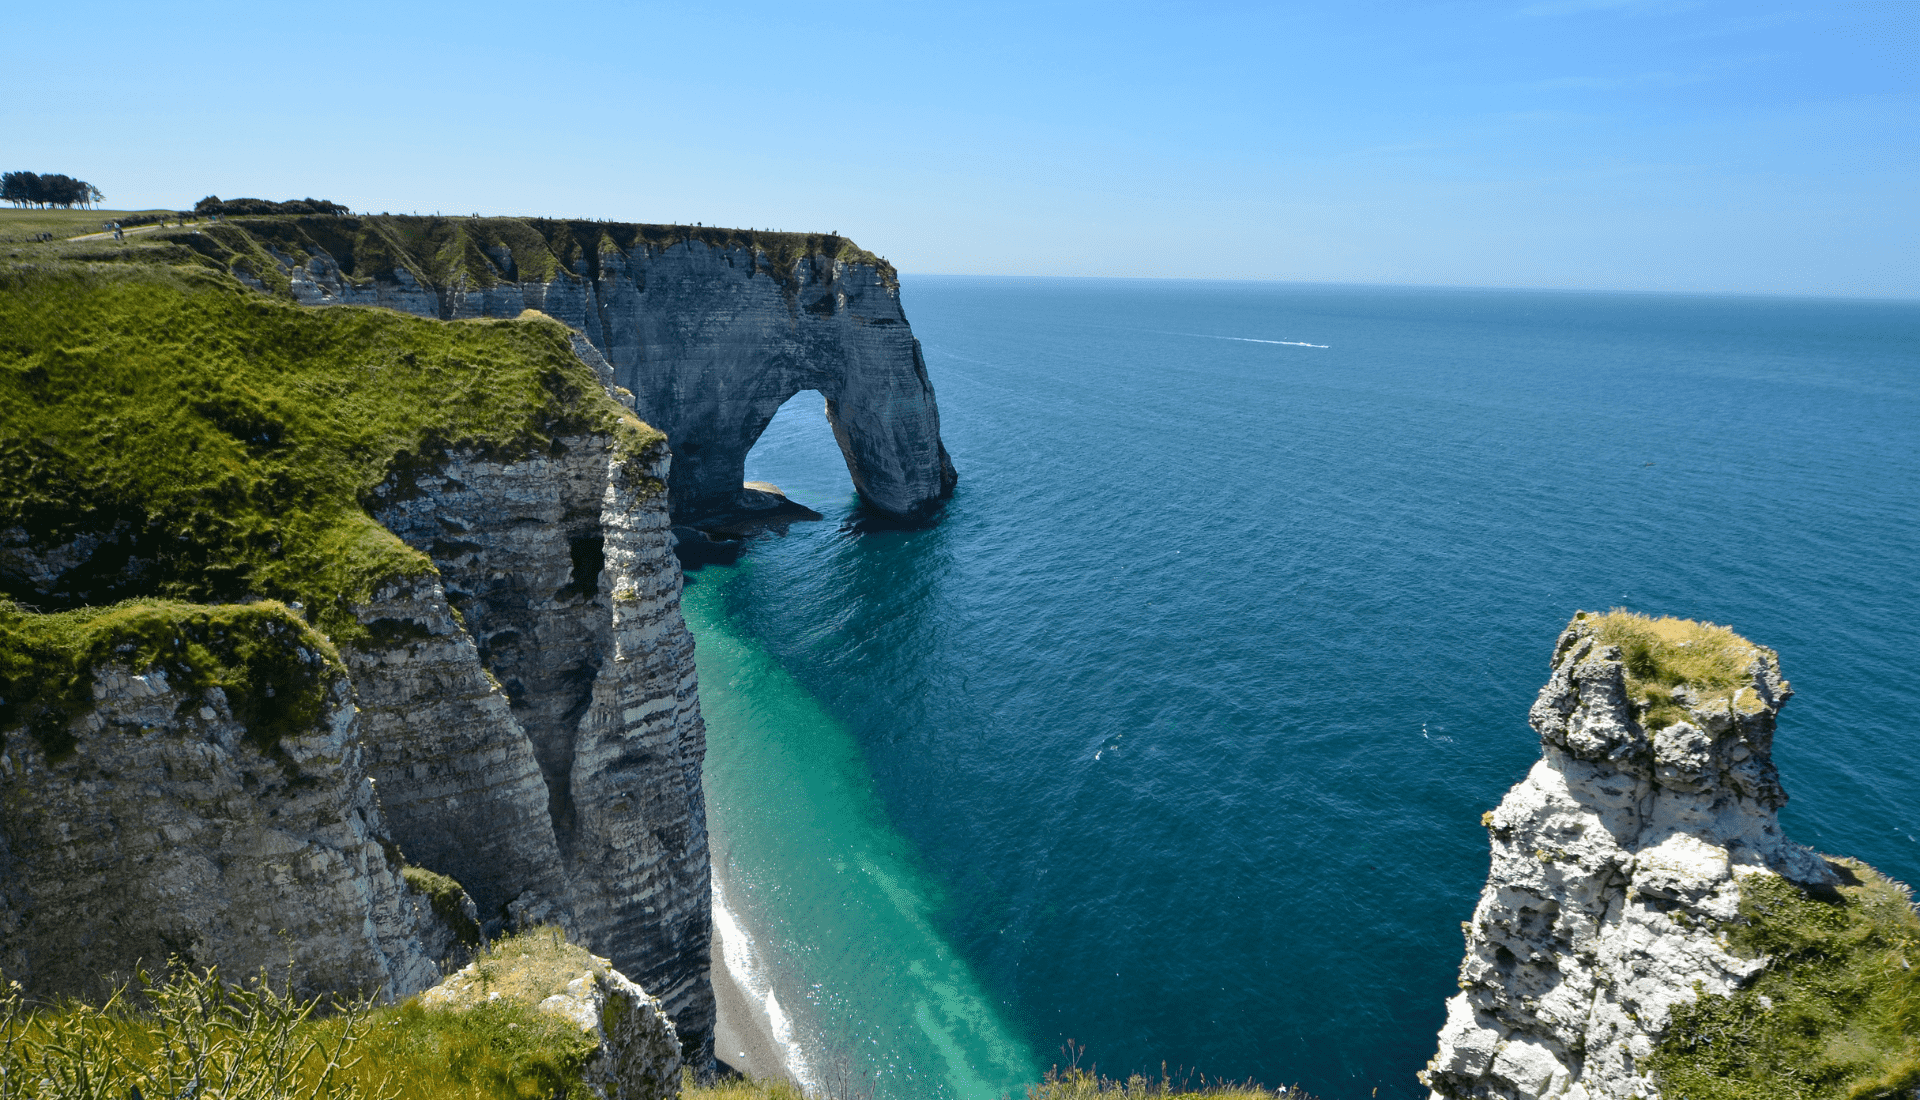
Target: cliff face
711	330
1616	862
165	830
547	754
464	538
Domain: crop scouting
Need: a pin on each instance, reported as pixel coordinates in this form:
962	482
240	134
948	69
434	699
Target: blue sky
1721	147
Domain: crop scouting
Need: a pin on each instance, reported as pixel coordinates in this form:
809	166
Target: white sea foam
736	950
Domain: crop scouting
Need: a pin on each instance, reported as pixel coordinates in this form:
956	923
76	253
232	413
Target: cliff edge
1646	923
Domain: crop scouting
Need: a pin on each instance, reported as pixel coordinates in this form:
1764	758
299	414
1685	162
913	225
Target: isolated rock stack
1654	800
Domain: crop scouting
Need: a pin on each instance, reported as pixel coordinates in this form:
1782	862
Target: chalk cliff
1617	861
348	589
711	330
546	753
168	828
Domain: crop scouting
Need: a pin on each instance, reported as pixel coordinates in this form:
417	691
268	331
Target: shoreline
750	1034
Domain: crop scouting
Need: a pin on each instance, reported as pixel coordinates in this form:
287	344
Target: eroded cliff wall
162	826
547	752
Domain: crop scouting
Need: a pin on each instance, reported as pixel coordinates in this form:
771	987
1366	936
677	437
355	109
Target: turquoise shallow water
1173	737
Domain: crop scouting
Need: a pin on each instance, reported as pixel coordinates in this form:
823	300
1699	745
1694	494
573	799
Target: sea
1165	750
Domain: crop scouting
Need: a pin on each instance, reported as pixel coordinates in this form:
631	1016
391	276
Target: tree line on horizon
32	189
214	204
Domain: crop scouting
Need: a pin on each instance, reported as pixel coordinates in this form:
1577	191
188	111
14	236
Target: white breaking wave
736	948
1250	340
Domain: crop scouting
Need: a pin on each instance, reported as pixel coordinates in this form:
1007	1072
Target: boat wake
1250	340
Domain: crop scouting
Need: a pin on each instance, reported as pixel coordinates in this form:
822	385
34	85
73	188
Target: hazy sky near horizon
1724	147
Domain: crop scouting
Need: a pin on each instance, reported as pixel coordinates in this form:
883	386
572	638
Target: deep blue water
1173	737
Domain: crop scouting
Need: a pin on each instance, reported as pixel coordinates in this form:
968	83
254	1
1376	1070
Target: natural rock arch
711	349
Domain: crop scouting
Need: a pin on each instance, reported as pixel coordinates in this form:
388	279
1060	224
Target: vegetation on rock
1080	1084
1712	662
445	895
1836	1013
194	1034
273	669
172	436
484	252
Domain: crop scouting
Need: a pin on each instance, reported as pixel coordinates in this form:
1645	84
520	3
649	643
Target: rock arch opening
795	451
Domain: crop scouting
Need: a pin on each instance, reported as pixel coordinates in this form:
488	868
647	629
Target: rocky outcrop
1654	800
168	830
711	331
636	1053
544	748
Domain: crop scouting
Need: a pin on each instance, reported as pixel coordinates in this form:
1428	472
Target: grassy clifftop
171	440
483	252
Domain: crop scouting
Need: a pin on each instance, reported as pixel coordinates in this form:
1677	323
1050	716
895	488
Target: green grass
18	225
499	1051
1667	653
192	1033
481	252
1080	1084
1836	1013
529	967
224	447
739	1088
1067	1084
492	1041
274	669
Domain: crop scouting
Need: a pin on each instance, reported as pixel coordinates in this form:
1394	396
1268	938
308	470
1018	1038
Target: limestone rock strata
547	753
710	339
166	832
527	722
1611	861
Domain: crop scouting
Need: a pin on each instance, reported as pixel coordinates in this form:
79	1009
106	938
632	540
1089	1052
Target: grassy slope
21	225
270	1046
1836	1014
227	444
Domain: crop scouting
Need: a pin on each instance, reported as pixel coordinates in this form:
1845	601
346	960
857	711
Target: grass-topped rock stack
311	618
1646	929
